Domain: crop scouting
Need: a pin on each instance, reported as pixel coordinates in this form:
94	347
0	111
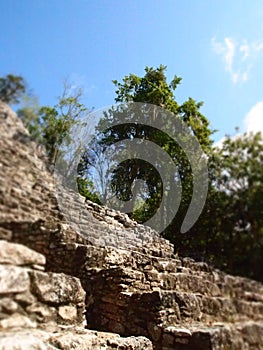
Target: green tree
51	127
229	232
86	189
154	89
239	166
12	87
57	121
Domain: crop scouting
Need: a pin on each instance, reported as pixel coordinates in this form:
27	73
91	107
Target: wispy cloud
81	81
238	57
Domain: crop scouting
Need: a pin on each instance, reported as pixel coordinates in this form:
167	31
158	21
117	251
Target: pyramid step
225	336
137	310
175	321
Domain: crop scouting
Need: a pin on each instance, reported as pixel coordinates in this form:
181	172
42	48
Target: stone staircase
134	284
177	303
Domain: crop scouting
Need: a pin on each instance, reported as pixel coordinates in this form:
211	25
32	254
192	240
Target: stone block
13	279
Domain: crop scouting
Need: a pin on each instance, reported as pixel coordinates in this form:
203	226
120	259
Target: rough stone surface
57	289
103	271
28	294
18	254
13	279
74	338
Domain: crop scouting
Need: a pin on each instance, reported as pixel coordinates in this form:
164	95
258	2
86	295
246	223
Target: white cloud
229	53
258	46
226	49
81	81
219	143
253	122
237	57
254	119
245	49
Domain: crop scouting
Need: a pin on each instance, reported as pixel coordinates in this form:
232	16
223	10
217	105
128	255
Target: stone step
186	274
119	308
67	339
225	336
177	321
197	307
144	277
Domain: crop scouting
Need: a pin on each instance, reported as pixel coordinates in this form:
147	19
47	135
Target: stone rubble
100	280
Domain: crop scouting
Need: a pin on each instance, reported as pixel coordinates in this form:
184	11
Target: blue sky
216	46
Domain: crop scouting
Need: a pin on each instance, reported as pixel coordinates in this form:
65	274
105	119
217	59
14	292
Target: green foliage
12	87
56	122
229	232
239	166
154	89
86	189
151	88
51	126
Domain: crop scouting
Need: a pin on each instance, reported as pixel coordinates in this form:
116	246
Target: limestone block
57	288
24	341
13	279
18	254
67	313
25	298
41	312
8	305
17	321
180	332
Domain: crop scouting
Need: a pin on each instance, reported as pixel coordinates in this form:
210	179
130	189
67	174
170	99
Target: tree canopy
12	87
50	126
153	89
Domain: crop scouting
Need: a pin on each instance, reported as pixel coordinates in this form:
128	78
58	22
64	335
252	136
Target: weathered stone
8	305
57	288
252	333
180	332
25	298
68	339
67	313
5	234
16	341
155	331
135	343
17	321
13	279
18	254
41	312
